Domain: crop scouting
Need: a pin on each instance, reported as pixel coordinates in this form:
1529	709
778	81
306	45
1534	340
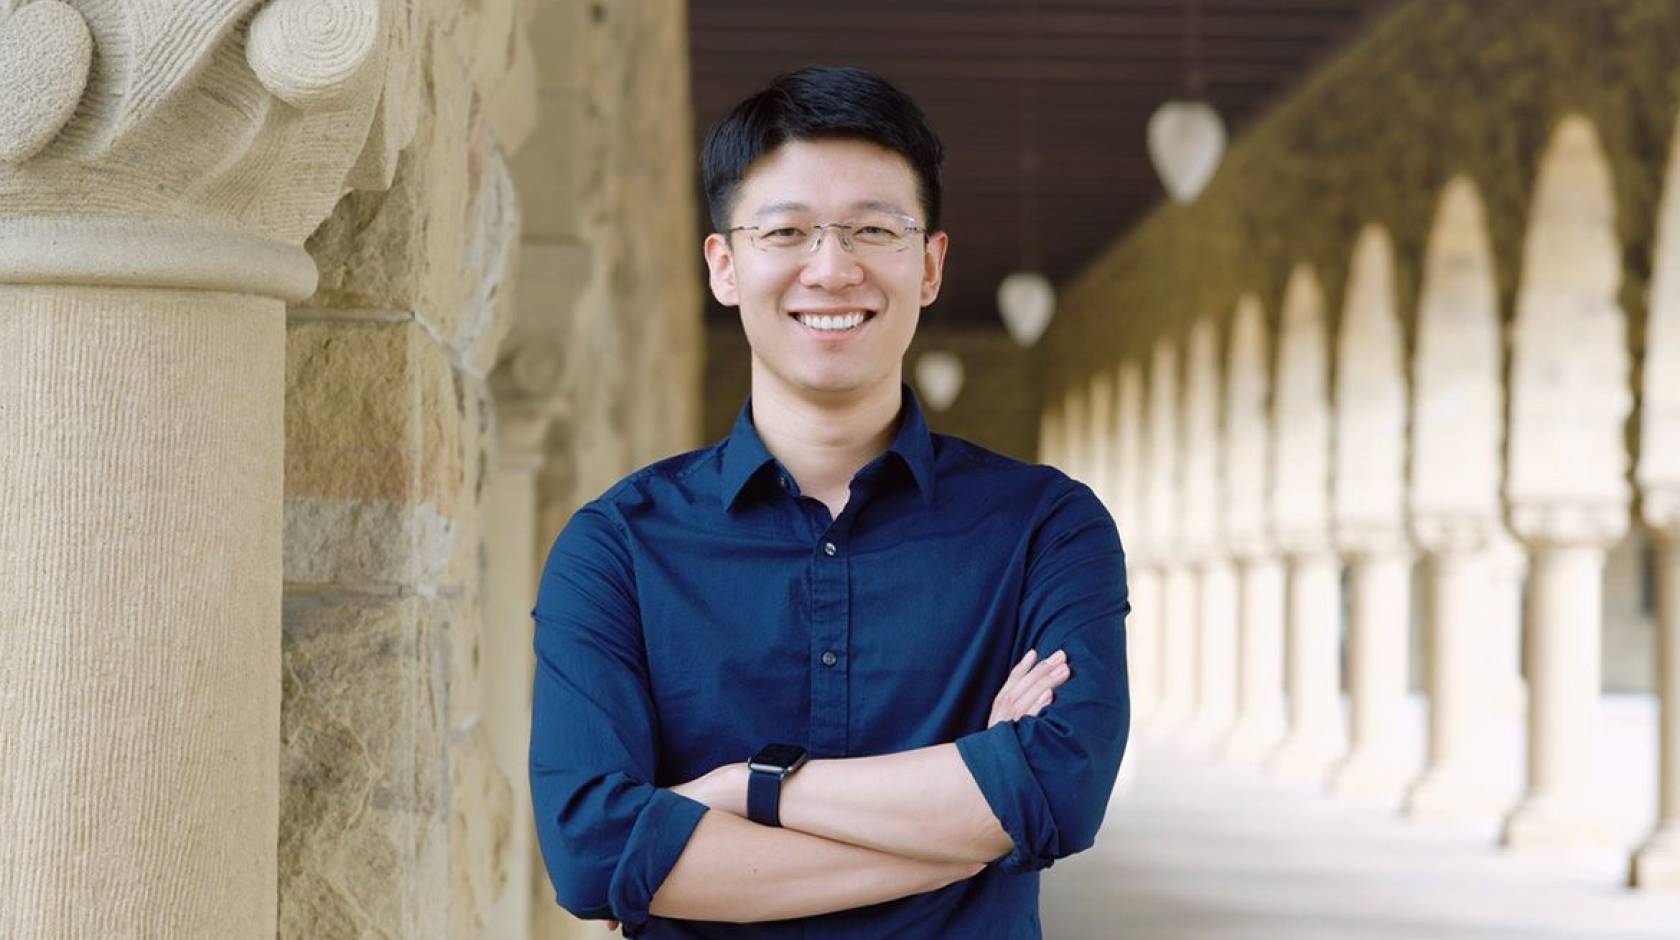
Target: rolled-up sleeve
1047	778
608	836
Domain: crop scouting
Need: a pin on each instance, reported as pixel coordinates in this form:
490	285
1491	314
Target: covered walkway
1198	847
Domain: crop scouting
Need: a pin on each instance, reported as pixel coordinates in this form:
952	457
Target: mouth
833	325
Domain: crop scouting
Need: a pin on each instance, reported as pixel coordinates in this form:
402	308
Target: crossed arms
1029	789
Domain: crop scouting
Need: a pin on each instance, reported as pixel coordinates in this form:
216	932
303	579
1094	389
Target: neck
824	441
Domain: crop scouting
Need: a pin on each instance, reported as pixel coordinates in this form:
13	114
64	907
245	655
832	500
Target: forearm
737	871
920	804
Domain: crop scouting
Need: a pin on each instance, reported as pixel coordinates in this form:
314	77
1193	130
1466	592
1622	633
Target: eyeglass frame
820	228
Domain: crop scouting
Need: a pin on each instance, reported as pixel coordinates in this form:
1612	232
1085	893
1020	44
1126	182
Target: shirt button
782	481
828	549
829	659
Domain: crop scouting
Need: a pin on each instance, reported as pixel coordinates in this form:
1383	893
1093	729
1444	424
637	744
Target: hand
1030	687
723	788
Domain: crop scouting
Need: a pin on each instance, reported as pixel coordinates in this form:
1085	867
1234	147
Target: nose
830	266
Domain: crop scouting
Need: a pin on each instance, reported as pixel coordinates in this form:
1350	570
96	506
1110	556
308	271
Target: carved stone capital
181	143
1661	509
1372	540
529	387
1453	533
1563	523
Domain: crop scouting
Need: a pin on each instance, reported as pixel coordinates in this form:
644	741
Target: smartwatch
769	767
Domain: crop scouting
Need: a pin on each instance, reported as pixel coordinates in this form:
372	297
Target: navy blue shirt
702	607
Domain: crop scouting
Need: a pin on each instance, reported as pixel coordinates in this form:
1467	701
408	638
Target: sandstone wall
528	271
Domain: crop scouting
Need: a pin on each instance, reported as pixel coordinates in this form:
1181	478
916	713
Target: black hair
814	103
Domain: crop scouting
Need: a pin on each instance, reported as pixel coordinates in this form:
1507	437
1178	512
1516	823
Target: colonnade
1250	468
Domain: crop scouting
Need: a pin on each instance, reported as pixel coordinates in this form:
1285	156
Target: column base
1252	739
1451	796
1202	735
1305	758
1370	777
1546	824
1168	718
1656	866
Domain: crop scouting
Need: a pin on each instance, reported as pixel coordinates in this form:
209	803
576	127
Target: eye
784	235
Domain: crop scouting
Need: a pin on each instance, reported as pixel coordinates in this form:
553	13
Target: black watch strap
764	797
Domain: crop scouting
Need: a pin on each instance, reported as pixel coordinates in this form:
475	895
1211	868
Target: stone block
375	464
364	837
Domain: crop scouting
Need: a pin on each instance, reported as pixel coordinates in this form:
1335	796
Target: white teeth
842	322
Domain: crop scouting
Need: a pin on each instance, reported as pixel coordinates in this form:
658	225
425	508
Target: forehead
828	176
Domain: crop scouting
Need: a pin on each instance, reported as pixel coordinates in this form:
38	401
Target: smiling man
835	676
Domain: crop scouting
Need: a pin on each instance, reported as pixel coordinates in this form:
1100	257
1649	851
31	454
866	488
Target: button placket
830	708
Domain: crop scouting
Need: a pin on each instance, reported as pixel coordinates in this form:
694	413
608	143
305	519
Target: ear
933	266
720	265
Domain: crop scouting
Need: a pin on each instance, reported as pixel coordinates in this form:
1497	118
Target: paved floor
1198	848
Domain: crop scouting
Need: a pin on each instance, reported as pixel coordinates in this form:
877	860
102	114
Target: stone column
1569	396
152	215
1248	447
1301	522
1261	719
1457	431
1656	866
1204	525
1175	626
1369	516
1312	669
1142	651
525	385
1216	681
1076	431
1099	450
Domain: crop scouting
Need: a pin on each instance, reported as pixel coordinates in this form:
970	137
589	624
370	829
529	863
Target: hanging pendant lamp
1186	137
939	377
1027	301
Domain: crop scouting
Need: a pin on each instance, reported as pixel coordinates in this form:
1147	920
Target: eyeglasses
880	234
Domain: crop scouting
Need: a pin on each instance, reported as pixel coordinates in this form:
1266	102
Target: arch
1201	509
1162	499
1370	406
1129	456
1659	450
1457	396
1247	429
1099	452
1049	435
1075	446
1301	419
1569	372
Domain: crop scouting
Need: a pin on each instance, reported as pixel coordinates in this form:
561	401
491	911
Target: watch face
783	757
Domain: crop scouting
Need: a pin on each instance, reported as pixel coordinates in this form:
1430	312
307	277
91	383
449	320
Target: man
881	618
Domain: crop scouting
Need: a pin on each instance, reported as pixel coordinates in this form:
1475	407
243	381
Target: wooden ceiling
1073	80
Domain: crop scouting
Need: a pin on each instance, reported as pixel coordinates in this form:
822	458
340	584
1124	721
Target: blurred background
1361	316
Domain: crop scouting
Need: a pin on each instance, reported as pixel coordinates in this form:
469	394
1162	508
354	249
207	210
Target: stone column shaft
1453	785
1657	865
1260	703
1377	662
1143	653
1566	597
1217	665
1178	637
1313	671
140	462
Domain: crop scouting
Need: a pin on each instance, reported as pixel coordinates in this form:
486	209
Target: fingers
1024	693
612	925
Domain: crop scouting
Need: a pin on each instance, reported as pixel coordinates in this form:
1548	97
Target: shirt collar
744	453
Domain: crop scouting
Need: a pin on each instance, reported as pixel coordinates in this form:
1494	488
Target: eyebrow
878	205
